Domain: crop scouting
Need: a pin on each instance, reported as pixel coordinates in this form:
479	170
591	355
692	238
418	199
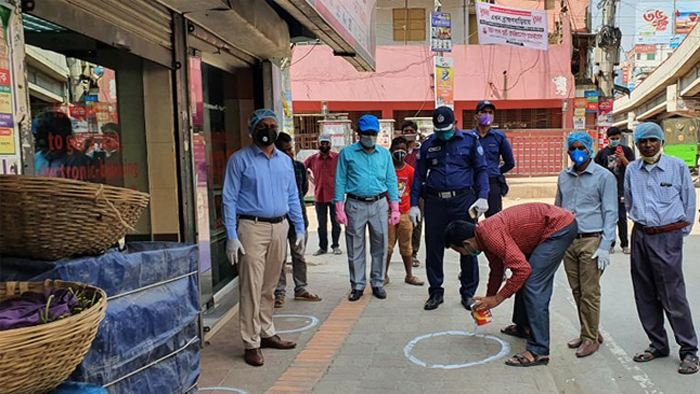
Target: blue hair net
583	138
648	130
257	116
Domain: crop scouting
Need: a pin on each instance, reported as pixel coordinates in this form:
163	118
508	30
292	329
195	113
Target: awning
347	26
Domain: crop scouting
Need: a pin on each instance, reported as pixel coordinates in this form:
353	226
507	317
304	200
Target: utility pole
608	49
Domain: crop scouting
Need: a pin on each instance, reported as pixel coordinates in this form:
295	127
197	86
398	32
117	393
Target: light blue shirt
258	186
365	174
661	194
592	197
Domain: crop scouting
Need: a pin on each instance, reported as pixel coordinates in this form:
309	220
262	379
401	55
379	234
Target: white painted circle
505	349
313	323
231	389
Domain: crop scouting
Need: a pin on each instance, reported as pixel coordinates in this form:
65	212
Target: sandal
308	297
648	355
689	365
520	360
413	280
515	330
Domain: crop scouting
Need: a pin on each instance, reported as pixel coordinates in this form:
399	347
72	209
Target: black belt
278	219
367	199
449	193
588	235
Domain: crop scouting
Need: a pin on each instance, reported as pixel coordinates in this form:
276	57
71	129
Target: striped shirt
508	237
661	194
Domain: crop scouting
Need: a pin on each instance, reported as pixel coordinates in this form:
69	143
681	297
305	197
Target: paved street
367	354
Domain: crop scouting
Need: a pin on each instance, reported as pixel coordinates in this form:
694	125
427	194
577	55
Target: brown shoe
254	357
413	280
308	296
574	343
275	342
587	348
279	302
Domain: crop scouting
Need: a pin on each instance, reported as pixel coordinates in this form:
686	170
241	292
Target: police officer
451	167
496	147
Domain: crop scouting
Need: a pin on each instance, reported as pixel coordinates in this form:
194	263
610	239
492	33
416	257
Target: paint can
482	318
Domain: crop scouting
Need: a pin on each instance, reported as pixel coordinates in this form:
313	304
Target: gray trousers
376	216
537	290
298	268
659	286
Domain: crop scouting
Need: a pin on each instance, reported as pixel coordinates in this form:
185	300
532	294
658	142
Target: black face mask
325	149
266	136
399	155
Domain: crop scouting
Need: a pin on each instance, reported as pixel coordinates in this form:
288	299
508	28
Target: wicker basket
37	359
53	218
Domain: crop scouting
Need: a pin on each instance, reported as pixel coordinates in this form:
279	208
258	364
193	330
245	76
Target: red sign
592	107
645	48
580	102
4	77
625	74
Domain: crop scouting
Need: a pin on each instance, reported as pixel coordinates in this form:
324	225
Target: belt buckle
445	194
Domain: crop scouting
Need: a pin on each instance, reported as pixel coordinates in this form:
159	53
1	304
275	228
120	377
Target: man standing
451	166
587	190
409	130
530	240
616	157
660	199
259	193
365	172
284	144
403	231
496	147
322	166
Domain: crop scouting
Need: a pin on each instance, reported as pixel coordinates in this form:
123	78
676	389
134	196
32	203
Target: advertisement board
444	82
653	23
512	26
440	32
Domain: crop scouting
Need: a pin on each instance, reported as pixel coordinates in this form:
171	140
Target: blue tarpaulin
148	341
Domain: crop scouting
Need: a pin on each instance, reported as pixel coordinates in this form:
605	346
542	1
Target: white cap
324	137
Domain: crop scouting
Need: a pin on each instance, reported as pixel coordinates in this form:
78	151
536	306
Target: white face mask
368	141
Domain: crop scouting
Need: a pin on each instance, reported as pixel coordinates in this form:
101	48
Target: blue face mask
614	143
578	157
445	135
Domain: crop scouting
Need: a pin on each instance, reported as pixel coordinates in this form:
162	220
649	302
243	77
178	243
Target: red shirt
412	158
507	237
323	170
404	177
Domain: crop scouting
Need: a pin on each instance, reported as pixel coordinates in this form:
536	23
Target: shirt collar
359	147
256	149
588	169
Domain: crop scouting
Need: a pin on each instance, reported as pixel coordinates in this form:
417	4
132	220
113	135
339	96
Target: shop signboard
440	32
353	20
444	82
580	104
502	25
653	22
9	154
591	101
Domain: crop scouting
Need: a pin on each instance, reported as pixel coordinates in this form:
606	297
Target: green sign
687	152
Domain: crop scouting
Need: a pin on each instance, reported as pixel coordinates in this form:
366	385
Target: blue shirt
450	165
365	174
496	146
592	197
661	194
258	186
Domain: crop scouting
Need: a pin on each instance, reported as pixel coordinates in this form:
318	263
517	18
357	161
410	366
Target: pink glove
395	214
340	216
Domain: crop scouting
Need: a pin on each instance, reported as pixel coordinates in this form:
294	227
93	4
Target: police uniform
448	175
496	146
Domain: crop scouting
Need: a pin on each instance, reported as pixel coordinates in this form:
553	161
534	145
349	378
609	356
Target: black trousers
622	225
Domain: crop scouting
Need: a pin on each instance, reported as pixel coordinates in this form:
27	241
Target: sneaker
337	250
320	252
279	302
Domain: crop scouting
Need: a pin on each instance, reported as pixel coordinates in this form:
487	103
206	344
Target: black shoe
468	303
355	295
433	302
379	292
